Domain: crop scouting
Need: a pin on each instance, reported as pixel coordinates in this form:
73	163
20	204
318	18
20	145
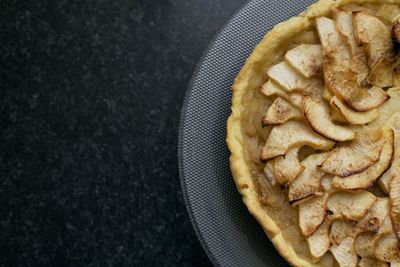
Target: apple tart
314	134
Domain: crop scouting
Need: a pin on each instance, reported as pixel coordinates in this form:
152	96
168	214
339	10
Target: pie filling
326	150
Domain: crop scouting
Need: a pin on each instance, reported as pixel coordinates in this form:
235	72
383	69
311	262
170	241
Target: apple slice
344	22
292	134
373	34
352	116
387	248
309	181
340	229
317	114
351	205
345	253
287	77
360	154
311	215
364	244
373	220
288	167
270	88
280	112
306	59
319	242
368	177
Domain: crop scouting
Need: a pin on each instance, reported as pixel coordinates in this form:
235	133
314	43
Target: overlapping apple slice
358	57
368	177
308	183
364	244
340	229
270	88
292	134
345	253
373	220
287	168
311	214
306	59
317	114
355	157
373	34
292	81
280	112
350	205
319	242
352	116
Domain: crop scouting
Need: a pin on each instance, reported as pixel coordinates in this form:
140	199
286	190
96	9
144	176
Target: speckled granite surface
91	93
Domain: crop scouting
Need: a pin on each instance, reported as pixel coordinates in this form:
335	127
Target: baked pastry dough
314	134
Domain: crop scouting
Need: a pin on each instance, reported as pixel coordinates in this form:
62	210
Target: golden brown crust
265	55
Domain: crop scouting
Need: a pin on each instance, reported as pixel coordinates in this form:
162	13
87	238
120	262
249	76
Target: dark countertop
91	93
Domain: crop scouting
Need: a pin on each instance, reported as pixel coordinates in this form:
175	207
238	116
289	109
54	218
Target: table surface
91	93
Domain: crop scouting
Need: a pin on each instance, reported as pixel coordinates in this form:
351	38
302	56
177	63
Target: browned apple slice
394	194
368	177
340	79
287	167
352	116
317	114
309	181
344	22
311	215
340	229
292	134
306	59
376	38
280	112
348	159
364	244
345	253
351	205
375	216
387	248
287	77
319	242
